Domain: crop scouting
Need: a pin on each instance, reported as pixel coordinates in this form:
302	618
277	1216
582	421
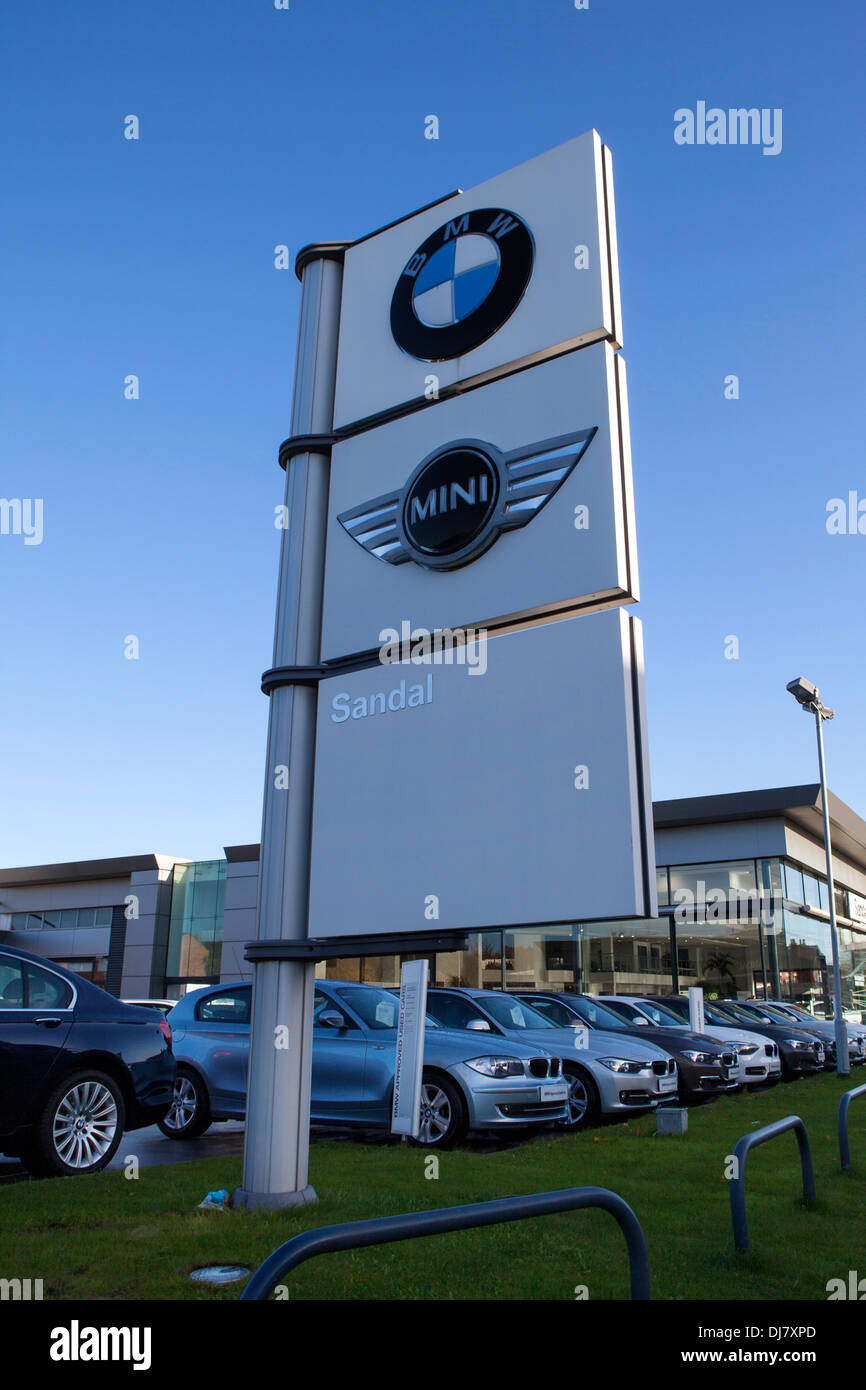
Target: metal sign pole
276	1145
843	1066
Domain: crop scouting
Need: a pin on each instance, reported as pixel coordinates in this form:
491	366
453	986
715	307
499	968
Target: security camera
804	691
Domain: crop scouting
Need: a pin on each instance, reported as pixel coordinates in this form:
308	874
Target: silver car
608	1073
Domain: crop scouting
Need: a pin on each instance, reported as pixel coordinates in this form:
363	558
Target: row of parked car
78	1067
497	1060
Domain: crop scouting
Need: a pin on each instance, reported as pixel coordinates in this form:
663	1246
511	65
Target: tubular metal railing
351	1235
844	1146
738	1182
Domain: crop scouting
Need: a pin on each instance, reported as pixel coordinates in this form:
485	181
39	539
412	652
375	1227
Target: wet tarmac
152	1148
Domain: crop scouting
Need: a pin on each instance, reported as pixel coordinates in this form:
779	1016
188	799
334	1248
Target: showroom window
93	968
794	883
724	958
797	962
196	925
699	879
62	919
811	890
662	885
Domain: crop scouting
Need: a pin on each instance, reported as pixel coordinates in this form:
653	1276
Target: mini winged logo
461	498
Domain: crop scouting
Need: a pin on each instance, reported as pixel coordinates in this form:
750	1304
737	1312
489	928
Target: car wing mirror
478	1025
332	1018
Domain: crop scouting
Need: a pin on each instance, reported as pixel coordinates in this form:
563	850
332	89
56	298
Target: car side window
324	1003
451	1011
47	991
627	1009
321	1002
11	983
232	1006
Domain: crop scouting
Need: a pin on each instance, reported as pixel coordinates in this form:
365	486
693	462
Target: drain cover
219	1274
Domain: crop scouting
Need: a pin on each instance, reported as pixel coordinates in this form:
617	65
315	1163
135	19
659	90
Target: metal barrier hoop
352	1235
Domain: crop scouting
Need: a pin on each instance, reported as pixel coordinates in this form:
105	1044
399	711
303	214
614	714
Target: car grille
660	1068
544	1066
729	1059
770	1049
547	1110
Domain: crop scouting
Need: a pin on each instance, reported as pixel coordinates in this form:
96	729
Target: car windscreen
713	1014
661	1016
788	1015
678	1007
627	1012
749	1015
597	1015
509	1012
377	1008
558	1014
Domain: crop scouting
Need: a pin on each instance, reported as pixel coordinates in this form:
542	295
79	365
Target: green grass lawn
111	1237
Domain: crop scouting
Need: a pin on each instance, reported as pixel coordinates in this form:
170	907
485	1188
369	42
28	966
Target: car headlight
622	1064
799	1044
497	1066
747	1049
705	1058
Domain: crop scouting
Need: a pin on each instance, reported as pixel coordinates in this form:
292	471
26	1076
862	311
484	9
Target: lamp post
808	696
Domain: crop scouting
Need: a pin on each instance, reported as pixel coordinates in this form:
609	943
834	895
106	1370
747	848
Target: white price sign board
409	1060
696	1008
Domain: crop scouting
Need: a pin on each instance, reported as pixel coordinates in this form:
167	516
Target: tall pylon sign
457	737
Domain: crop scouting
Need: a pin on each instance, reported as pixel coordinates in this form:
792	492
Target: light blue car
470	1082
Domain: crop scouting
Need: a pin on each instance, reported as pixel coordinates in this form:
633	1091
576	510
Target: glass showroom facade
194	951
739	928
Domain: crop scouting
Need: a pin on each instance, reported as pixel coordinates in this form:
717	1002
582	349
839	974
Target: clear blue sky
261	127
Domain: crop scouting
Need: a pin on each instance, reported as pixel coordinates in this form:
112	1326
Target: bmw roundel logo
461	284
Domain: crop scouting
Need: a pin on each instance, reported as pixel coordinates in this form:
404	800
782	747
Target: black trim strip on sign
341	947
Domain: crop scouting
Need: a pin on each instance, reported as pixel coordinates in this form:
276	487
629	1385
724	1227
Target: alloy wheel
183	1104
578	1100
435	1113
85	1124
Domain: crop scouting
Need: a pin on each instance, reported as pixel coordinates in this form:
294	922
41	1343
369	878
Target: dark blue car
77	1067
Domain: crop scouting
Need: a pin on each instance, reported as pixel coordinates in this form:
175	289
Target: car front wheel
443	1113
80	1127
188	1115
583	1103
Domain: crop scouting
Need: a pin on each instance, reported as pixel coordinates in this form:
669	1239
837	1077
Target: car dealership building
743	909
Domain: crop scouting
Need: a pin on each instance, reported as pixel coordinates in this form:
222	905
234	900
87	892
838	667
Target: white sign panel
516	269
510	500
505	789
409	1061
696	1008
